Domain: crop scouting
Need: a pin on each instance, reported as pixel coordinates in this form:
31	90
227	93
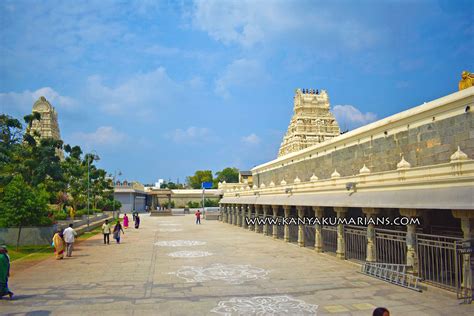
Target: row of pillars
236	213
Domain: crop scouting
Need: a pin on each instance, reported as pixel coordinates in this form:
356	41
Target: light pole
113	195
95	157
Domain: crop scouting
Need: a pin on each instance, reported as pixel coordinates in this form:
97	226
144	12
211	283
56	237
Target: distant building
47	126
245	177
131	195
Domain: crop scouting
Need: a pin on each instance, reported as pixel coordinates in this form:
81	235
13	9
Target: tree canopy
35	183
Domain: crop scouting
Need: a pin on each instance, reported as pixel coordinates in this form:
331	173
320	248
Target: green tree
230	175
199	177
23	205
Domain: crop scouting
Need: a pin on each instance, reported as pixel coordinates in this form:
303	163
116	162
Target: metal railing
258	226
280	229
355	238
293	232
329	234
438	261
390	246
309	235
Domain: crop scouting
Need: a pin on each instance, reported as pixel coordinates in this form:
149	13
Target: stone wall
431	143
30	236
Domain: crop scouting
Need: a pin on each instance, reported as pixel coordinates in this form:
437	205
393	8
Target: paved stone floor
230	271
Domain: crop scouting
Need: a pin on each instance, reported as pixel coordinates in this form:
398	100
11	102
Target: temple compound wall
416	165
424	135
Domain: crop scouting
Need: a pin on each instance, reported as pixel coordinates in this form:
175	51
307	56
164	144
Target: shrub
60	216
193	204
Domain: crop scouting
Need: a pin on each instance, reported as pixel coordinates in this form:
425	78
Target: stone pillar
467	226
412	250
300	226
371	249
265	214
239	217
341	244
318	232
243	216
275	217
232	214
250	208
224	214
236	215
257	211
286	236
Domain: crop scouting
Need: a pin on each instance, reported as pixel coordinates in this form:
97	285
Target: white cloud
138	96
21	103
191	135
241	72
350	117
162	50
251	139
102	136
249	22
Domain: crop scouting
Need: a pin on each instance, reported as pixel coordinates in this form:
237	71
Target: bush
108	205
60	216
192	204
211	203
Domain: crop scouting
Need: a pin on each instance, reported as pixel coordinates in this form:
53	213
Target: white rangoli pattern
264	306
168	224
229	273
189	254
179	243
170	230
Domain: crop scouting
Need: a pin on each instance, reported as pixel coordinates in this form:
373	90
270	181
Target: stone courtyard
170	266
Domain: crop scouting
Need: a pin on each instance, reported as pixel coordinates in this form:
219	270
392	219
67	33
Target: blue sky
162	88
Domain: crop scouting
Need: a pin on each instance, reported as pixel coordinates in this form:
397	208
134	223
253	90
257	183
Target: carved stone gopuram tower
47	126
312	122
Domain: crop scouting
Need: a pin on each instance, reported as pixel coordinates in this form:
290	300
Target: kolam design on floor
190	254
179	243
264	305
229	273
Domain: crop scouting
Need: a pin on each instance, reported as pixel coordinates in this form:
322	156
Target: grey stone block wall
30	236
428	144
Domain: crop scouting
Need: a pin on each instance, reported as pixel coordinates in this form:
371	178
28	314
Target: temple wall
424	139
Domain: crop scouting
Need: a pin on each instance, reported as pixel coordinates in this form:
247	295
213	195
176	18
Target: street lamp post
113	195
95	157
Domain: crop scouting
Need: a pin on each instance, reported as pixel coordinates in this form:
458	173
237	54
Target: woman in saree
125	221
4	272
58	242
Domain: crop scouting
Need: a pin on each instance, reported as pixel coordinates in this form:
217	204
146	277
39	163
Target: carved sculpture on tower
47	126
312	122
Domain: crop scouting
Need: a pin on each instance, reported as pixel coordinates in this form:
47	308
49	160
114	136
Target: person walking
106	231
58	244
137	221
117	229
125	221
69	237
198	217
4	272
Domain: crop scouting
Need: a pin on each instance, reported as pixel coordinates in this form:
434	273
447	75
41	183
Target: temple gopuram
47	126
312	122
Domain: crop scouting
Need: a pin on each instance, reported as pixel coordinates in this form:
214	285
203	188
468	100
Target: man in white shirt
69	234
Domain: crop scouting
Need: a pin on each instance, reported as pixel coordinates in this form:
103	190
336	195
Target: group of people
118	229
106	230
63	240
